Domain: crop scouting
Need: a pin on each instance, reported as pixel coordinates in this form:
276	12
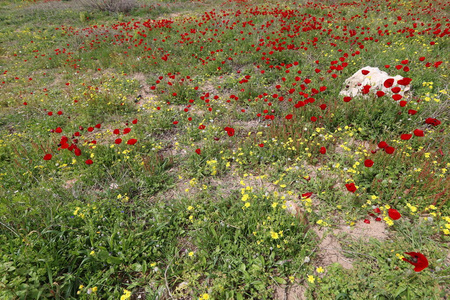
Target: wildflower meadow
175	149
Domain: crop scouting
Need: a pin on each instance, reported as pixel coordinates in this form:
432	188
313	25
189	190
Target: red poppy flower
422	58
394	214
77	152
116	131
434	122
98	126
50	113
323	150
118	141
367	221
175	122
388	83
412	112
404	81
47	156
134	121
58	130
382	144
198	151
229	130
406	136
90	129
396	89
377	210
365	72
347	99
418	260
380	93
323	106
403	103
201	127
397	97
126	130
418	132
307	195
132	141
89	162
288	117
389	150
366	89
368	163
351	187
261	145
313	119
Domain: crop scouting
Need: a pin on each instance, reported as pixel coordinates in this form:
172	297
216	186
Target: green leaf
279	280
114	260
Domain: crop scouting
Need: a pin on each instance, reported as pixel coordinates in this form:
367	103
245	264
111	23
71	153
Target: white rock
353	85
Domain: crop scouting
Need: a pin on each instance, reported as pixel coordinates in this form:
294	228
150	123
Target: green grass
146	193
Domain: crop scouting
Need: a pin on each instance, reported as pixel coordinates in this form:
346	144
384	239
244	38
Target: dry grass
124	6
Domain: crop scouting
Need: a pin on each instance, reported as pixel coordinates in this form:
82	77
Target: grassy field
201	150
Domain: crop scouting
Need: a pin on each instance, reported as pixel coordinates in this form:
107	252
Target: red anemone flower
388	83
389	150
351	187
394	214
396	89
89	162
47	156
132	141
368	163
307	195
323	150
434	122
229	130
418	260
397	97
347	99
118	141
382	144
406	136
380	93
198	151
418	132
